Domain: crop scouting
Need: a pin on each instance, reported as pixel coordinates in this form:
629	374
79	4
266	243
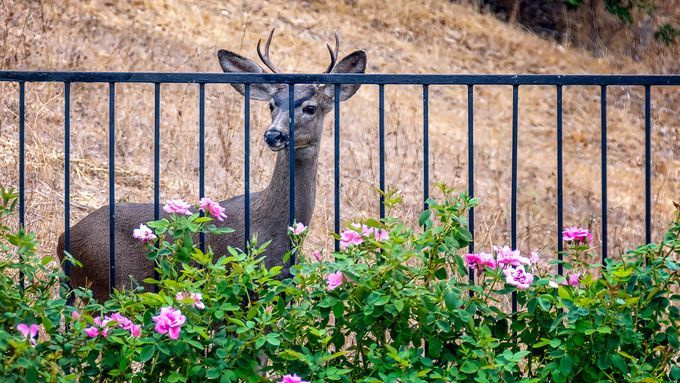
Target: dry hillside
400	37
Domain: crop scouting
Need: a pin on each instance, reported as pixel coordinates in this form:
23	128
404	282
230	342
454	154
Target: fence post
112	187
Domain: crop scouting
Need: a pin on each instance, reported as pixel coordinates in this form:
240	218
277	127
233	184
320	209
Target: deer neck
277	194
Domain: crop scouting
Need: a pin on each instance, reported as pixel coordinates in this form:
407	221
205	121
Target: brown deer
269	207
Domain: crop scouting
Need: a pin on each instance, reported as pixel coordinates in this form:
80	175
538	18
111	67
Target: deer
269	207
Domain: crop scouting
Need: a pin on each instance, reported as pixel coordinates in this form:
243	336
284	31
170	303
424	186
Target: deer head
312	101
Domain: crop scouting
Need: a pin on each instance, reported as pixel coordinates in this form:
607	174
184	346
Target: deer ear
355	62
234	63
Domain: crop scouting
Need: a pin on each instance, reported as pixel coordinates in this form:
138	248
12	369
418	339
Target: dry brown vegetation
400	37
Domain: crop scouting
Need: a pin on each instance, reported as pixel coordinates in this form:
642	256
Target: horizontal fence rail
340	78
381	80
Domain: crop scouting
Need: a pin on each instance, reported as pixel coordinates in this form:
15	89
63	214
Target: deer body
269	219
269	207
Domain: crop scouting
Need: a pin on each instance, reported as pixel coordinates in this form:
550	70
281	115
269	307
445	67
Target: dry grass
402	37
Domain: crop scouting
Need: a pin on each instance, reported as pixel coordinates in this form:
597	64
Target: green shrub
395	304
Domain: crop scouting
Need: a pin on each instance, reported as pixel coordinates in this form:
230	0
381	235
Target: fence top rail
369	78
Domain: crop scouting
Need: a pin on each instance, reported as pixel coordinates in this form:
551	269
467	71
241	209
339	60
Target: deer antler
334	55
268	62
265	58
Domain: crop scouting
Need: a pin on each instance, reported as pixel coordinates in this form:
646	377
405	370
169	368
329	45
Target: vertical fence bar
156	151
381	108
156	162
22	166
513	197
603	100
201	151
471	175
648	166
67	177
246	164
336	147
112	187
22	121
426	146
560	196
291	159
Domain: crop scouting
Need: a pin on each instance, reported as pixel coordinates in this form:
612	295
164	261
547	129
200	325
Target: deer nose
274	137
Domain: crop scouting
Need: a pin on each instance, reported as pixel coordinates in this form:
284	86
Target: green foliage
402	309
624	10
620	327
667	34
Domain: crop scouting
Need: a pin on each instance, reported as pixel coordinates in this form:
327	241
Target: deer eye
309	109
271	107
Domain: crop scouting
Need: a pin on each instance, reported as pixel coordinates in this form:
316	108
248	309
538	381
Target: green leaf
444	326
619	363
382	300
424	218
675	373
565	365
237	322
469	367
273	339
195	344
146	353
452	300
544	303
260	341
213	373
626	355
603	361
176	377
435	347
163	347
328	301
563	293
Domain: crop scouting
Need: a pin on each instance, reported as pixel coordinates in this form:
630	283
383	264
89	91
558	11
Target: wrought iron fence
381	80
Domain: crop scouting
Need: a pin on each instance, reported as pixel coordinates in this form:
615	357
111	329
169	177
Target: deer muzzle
276	139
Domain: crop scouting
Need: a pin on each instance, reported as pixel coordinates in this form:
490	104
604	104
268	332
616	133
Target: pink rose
29	332
576	234
102	323
177	206
480	260
102	326
574	279
196	298
292	379
297	229
144	234
365	230
349	237
91	331
507	257
213	208
518	277
533	259
135	330
380	235
169	321
334	280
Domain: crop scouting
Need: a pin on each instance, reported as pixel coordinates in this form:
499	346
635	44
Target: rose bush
396	303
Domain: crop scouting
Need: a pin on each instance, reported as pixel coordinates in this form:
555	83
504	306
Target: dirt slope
399	37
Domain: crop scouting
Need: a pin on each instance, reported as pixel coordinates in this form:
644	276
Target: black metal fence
381	80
